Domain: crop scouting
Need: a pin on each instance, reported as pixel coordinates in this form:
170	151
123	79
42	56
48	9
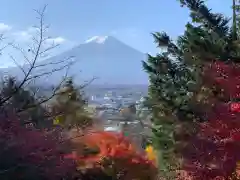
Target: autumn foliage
212	153
114	155
215	150
29	154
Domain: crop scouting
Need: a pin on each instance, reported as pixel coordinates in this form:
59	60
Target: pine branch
202	15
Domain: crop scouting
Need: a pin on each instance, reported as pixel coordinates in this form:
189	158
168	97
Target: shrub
30	154
114	155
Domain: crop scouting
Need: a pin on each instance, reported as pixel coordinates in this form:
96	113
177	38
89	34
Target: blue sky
74	21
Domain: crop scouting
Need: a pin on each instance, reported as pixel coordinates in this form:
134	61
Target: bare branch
33	62
18	65
46	99
23	53
36	70
88	83
55	63
37	50
2	38
48	72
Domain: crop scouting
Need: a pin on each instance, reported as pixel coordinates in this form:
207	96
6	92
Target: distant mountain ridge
104	57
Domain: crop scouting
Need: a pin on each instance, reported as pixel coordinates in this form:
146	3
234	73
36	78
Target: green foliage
176	91
23	102
170	92
209	37
236	13
70	107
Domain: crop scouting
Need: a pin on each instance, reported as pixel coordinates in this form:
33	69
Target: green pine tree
176	90
169	95
210	36
70	107
236	17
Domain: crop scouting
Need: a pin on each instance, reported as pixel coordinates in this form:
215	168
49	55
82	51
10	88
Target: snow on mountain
97	39
104	57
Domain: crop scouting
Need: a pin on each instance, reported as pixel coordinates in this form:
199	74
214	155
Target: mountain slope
106	58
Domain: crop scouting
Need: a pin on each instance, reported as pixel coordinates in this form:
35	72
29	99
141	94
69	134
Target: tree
171	97
33	69
131	125
70	107
178	95
213	151
208	42
236	17
209	37
19	101
164	100
129	115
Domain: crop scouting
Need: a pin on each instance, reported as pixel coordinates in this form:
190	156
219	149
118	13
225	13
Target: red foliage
29	154
214	151
235	107
225	76
116	155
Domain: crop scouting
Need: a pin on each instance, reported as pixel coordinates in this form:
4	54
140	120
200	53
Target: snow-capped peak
97	39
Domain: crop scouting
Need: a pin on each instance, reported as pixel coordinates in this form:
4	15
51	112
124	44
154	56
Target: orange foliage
115	156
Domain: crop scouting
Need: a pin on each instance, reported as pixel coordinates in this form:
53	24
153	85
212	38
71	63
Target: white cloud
4	27
32	30
27	35
22	36
57	40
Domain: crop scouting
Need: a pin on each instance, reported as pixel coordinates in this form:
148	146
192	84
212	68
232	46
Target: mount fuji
108	59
